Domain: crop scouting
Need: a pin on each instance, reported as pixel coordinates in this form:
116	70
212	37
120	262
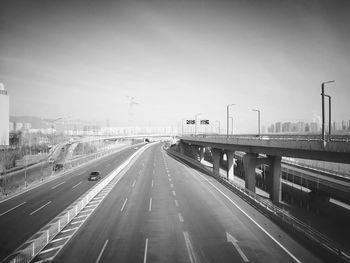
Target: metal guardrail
295	223
286	137
325	171
27	253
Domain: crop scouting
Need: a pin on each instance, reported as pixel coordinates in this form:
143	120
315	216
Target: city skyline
177	59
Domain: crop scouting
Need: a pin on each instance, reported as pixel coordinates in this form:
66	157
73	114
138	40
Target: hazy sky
82	58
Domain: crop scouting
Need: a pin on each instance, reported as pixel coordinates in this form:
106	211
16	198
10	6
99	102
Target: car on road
94	176
51	160
58	167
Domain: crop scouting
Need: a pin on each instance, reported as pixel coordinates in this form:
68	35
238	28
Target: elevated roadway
307	147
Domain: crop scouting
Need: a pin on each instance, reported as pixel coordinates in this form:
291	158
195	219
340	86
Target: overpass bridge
267	150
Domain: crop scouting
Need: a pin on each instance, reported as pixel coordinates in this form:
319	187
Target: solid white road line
133	184
189	247
150	204
103	248
57	185
145	254
176	203
174	194
256	223
77	184
12	208
181	219
126	199
32	213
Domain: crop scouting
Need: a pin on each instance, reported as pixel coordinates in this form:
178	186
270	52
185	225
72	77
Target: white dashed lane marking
12	209
150	204
76	184
145	254
103	249
57	185
41	207
124	204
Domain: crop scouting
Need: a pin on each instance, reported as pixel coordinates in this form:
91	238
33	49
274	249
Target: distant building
313	127
271	128
11	126
18	126
278	127
286	127
300	126
27	126
4	116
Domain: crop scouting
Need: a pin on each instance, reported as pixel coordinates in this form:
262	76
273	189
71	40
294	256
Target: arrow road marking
234	241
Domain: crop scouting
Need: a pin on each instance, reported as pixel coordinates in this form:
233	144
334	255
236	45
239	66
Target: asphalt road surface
163	211
23	215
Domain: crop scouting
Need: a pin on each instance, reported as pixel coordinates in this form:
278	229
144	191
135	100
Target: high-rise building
300	126
278	127
286	127
271	128
4	116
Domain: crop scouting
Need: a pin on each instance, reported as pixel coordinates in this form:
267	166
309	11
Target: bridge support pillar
274	179
249	164
201	153
216	153
230	164
182	148
195	151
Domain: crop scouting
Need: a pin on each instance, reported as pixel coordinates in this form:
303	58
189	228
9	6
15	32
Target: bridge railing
287	137
282	215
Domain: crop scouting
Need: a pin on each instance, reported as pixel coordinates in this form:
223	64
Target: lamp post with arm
227	117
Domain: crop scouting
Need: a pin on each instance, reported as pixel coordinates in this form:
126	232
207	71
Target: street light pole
195	126
329	116
227	117
258	111
231	118
323	118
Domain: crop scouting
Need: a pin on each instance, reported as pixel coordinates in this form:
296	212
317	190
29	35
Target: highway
163	211
23	215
